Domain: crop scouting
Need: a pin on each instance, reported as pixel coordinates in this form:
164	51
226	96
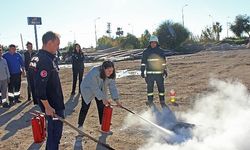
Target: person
16	69
4	79
95	85
77	66
154	63
48	90
27	57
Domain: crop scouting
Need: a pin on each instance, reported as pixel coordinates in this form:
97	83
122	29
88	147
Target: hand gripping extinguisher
106	118
38	127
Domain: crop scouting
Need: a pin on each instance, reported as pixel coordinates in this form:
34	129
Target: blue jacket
93	86
14	61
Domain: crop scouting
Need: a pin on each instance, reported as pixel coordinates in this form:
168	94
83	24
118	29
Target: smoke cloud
221	116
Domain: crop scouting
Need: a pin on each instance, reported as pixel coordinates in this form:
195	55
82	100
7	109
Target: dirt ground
188	75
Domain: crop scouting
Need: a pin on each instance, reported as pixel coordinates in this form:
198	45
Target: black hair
12	45
28	43
49	36
105	65
74	50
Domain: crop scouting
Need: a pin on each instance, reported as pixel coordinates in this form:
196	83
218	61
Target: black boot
6	105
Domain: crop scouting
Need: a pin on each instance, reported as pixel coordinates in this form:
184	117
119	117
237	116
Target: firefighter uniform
48	87
154	63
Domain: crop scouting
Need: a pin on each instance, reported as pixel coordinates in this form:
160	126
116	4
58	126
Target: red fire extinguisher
106	118
39	128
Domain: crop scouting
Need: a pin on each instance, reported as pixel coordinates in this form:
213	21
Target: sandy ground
188	75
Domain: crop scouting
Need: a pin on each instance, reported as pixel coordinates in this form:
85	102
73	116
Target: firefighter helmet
153	38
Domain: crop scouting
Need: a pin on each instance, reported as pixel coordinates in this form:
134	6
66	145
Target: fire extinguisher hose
82	133
151	123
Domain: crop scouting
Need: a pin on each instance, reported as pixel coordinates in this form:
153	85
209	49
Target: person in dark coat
77	66
27	58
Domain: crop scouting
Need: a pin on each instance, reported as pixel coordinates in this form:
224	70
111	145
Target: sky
76	19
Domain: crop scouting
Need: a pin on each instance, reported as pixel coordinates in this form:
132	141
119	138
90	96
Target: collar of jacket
149	46
52	56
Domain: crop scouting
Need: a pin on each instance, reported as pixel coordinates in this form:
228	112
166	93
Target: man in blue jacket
16	68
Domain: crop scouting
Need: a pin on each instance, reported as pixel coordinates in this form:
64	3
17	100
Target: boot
6	105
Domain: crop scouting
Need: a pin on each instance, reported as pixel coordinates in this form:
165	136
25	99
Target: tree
207	34
130	42
104	42
217	28
241	25
171	35
69	48
144	40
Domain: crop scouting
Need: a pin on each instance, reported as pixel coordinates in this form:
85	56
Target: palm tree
217	28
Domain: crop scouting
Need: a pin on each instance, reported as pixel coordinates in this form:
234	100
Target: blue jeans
55	128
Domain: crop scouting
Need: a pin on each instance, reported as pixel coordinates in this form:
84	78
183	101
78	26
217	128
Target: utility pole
227	25
22	40
183	14
109	29
95	31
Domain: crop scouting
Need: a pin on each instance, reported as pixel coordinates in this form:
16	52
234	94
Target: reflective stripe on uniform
161	94
4	100
154	72
143	64
150	94
10	94
0	94
153	59
164	64
16	93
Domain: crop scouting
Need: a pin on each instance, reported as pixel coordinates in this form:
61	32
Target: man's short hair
28	43
12	46
49	36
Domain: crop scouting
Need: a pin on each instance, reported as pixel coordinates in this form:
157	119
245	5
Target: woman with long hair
77	66
95	85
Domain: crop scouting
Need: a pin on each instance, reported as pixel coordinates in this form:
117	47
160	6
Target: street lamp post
183	14
227	25
210	16
132	28
95	31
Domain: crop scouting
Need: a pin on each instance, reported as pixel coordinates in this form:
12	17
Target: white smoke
222	118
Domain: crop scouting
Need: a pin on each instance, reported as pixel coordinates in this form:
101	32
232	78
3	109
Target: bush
237	41
171	35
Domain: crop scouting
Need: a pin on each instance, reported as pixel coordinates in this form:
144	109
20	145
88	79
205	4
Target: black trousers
75	74
55	129
150	80
14	87
31	87
85	108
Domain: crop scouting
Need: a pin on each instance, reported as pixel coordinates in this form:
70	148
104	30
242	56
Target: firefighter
16	68
27	57
95	85
77	66
154	64
48	90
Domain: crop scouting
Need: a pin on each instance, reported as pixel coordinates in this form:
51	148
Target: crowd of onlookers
12	66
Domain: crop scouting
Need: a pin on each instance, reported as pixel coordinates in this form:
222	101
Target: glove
142	75
165	73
